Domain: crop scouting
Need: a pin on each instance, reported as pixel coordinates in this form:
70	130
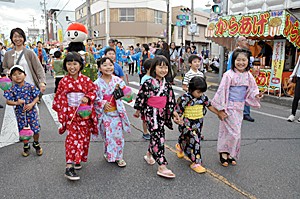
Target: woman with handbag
295	78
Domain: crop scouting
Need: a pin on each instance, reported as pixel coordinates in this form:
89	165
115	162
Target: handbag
118	92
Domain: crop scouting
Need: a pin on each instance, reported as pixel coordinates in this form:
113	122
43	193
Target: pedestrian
194	63
24	97
147	67
173	61
237	88
190	106
22	56
58	68
41	54
112	44
242	43
75	90
186	56
156	98
130	61
296	76
111	112
111	53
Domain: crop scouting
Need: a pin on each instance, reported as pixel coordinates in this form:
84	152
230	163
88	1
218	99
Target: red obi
157	101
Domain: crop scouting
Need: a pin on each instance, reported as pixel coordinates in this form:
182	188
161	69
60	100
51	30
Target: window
94	20
101	16
126	14
158	17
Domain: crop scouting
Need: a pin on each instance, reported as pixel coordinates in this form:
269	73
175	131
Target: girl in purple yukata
237	88
111	113
156	100
24	97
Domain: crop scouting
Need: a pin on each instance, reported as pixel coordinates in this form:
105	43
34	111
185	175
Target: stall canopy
264	25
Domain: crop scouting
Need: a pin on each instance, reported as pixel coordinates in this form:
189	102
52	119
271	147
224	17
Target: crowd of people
102	94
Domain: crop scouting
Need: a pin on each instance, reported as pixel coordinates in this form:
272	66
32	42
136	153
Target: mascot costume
76	34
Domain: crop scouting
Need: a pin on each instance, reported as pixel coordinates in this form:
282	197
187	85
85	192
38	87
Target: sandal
166	173
150	160
121	163
231	160
197	168
223	161
179	151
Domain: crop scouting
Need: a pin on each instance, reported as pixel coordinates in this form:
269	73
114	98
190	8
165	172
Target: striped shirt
190	74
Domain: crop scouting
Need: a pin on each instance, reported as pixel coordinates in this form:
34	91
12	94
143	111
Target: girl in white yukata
237	88
111	113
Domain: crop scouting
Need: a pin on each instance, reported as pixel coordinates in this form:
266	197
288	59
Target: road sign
180	23
96	33
183	17
193	28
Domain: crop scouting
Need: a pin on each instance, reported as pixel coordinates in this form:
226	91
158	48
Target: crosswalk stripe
9	131
48	100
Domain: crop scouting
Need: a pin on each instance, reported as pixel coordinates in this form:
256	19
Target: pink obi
110	99
157	101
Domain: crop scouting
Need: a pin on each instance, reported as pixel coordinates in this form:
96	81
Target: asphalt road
269	166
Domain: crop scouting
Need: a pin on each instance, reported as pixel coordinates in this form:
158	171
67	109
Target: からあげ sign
292	30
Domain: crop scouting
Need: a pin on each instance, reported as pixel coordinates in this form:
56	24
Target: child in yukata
237	88
190	106
24	97
156	99
111	113
73	91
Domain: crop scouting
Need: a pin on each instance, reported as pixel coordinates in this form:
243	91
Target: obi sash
74	98
112	101
237	93
157	101
193	112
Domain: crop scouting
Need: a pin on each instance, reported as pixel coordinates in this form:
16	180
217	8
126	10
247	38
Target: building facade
131	22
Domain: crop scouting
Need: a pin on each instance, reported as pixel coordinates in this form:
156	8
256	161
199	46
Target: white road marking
9	131
270	115
48	99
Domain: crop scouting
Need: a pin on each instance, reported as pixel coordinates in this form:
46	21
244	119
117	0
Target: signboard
263	79
265	24
278	58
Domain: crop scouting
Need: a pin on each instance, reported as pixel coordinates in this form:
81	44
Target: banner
60	35
291	30
278	58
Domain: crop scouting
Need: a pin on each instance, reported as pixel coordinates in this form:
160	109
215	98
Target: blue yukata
28	93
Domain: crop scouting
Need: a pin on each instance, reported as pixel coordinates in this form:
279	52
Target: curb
282	101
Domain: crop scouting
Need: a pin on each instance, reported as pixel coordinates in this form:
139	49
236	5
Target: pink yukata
111	124
234	91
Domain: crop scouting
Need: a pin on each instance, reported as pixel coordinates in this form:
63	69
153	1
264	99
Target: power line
63	8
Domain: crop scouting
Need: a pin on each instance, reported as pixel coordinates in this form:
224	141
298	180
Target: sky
21	13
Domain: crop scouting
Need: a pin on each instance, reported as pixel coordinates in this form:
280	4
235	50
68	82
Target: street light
208	4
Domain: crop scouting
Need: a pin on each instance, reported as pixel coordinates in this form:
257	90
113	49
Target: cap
12	69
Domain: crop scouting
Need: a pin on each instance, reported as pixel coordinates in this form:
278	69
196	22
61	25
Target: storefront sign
278	58
263	79
264	24
292	30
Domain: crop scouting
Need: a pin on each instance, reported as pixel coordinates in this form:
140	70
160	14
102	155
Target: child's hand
28	107
259	96
222	115
136	114
19	102
177	118
85	100
107	106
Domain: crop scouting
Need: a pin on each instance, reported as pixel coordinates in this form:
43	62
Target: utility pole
107	23
33	22
193	20
89	21
168	23
43	4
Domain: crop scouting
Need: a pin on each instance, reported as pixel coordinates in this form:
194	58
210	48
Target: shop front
274	42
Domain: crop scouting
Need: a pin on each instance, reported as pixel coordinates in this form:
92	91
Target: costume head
76	34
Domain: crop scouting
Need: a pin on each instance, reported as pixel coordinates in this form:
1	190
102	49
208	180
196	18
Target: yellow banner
60	35
277	63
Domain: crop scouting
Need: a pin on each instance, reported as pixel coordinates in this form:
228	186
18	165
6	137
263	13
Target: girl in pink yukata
237	88
111	113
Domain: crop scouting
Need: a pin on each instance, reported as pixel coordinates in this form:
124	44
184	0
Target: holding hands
177	119
222	115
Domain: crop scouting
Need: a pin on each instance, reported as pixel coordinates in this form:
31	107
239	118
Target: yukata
112	123
192	111
157	101
235	90
28	93
67	99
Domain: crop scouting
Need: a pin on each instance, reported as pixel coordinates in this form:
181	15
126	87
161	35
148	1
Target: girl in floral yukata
24	97
75	89
237	88
191	106
111	113
156	99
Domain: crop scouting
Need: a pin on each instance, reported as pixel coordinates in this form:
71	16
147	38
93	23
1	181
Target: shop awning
265	25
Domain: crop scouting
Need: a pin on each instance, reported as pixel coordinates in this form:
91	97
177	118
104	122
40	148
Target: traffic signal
216	9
